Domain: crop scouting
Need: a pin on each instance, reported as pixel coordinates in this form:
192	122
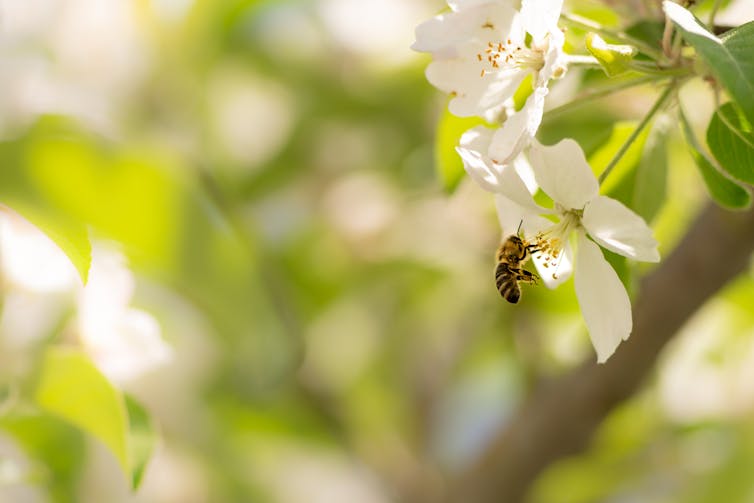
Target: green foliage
614	59
56	451
650	184
723	190
731	140
622	175
19	192
71	387
728	59
142	438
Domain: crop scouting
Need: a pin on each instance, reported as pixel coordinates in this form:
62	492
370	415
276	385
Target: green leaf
18	192
447	161
724	191
729	58
730	138
142	438
71	387
57	449
614	59
650	183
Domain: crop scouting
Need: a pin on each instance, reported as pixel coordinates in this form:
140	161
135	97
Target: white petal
603	299
563	173
619	229
443	35
458	5
480	168
473	94
686	20
541	16
519	129
554	58
523	168
129	348
510	214
481	22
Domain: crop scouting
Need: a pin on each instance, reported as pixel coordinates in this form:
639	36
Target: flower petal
473	94
603	299
619	229
554	59
540	17
563	173
510	214
519	129
479	167
476	22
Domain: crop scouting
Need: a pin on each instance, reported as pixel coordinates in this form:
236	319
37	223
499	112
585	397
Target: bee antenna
518	231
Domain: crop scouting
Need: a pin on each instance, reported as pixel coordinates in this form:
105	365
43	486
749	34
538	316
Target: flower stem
635	134
589	25
652	69
600	92
713	13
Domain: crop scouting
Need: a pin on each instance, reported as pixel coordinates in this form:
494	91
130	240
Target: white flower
481	57
563	173
489	174
123	342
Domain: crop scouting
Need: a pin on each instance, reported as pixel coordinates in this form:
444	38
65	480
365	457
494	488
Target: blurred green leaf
614	59
447	161
731	140
724	191
56	449
623	171
650	184
142	438
18	192
71	387
729	58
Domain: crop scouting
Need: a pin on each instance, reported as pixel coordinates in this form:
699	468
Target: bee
511	256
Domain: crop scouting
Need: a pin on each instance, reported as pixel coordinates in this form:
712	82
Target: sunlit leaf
20	194
71	387
56	449
723	190
614	59
142	438
731	140
729	58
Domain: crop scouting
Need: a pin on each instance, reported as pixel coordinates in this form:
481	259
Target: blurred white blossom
124	342
483	51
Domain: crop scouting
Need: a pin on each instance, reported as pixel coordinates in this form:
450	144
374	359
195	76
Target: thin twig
635	134
601	92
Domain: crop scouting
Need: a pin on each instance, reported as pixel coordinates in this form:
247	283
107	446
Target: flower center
508	56
550	242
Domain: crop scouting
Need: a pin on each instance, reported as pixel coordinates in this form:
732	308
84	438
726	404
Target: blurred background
314	311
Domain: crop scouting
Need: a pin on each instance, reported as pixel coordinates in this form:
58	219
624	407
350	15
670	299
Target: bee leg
527	277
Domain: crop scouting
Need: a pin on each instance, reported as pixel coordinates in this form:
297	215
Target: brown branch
560	417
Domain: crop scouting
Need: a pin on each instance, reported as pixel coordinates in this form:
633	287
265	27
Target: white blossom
563	173
123	342
481	57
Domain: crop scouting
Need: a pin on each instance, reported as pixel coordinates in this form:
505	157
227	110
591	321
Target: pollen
506	55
